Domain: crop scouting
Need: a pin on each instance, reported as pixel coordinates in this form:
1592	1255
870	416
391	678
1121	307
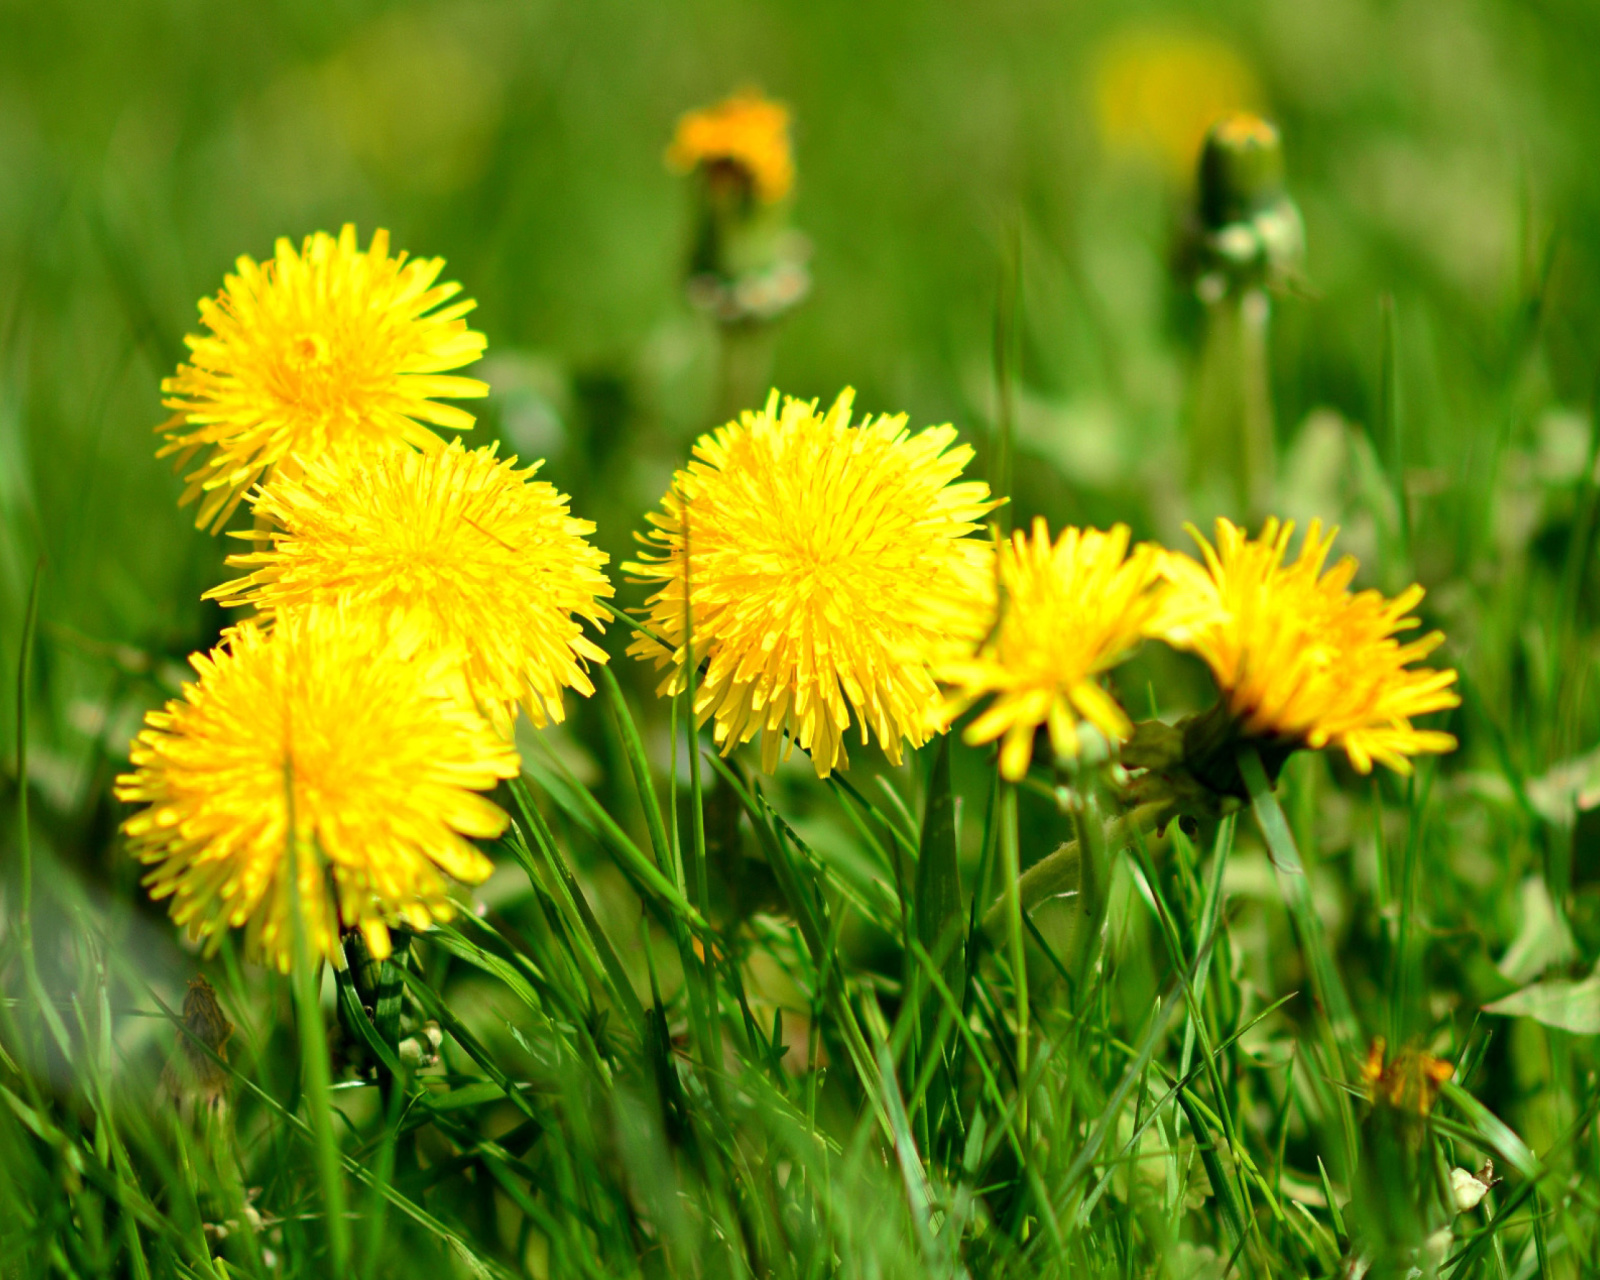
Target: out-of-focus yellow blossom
747	132
1158	91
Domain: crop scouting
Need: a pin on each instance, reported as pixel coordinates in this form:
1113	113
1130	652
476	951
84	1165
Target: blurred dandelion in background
463	554
828	564
743	141
325	721
747	266
1157	91
314	349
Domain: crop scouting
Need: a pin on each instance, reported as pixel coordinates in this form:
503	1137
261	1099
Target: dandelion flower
828	563
1302	661
464	552
1066	613
745	132
320	725
310	351
1156	94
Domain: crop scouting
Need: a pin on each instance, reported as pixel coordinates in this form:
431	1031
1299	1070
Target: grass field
707	1020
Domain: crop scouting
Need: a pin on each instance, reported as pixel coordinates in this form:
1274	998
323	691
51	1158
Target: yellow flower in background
1066	613
828	564
323	719
315	349
1298	657
459	551
746	131
1157	92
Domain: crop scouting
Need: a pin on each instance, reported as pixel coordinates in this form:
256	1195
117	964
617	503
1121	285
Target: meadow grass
707	1021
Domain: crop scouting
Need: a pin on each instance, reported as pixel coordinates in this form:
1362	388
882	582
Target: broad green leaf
1567	1006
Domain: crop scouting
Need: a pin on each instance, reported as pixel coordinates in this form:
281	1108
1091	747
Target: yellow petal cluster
313	349
827	564
462	554
1299	657
746	131
324	728
1066	612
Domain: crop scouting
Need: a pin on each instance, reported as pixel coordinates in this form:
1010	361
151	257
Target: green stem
1010	870
1059	872
1231	442
314	1046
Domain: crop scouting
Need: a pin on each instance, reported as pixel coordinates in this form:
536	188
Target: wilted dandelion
747	135
325	721
192	1080
1065	614
828	564
1302	661
315	349
1408	1082
463	554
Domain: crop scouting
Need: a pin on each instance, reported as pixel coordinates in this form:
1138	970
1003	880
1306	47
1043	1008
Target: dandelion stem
1011	873
314	1045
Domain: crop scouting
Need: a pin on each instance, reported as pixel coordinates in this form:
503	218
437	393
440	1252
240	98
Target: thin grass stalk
314	1046
1392	428
709	1043
1007	326
24	835
1295	884
1011	871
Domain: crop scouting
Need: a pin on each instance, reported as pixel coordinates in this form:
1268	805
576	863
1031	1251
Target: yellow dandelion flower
1157	92
312	350
1299	658
747	132
322	720
827	563
1066	613
463	552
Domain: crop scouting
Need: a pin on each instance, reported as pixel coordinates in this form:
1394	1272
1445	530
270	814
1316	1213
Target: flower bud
1250	231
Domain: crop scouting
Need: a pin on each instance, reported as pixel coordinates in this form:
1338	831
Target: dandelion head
459	551
324	728
1300	659
748	134
312	350
1158	92
1065	613
828	565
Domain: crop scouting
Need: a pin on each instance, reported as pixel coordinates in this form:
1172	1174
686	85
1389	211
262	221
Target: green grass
710	1022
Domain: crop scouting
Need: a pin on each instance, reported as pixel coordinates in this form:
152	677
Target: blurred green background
1441	154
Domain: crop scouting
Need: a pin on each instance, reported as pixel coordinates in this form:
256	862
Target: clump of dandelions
311	350
464	555
1301	661
1065	613
828	565
325	729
